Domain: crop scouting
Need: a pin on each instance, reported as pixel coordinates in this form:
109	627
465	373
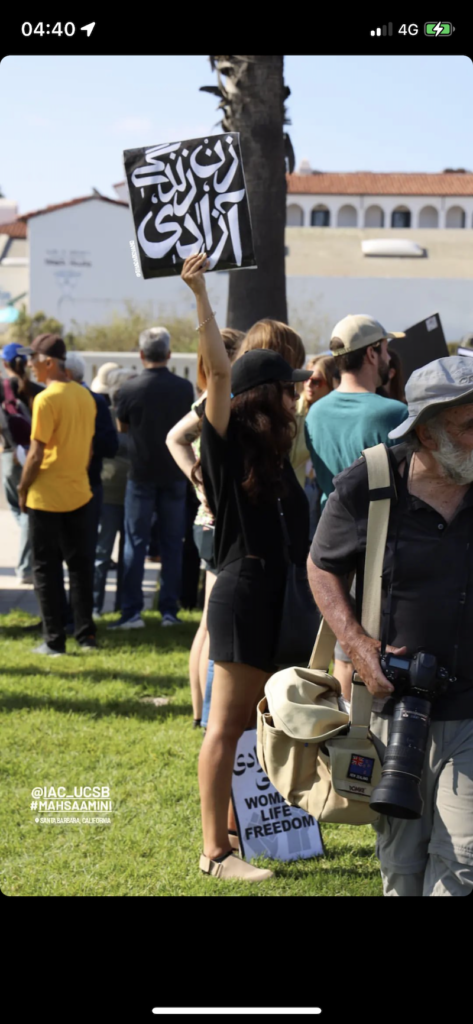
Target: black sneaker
89	644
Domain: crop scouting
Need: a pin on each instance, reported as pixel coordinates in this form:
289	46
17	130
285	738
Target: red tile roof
71	202
369	183
16	229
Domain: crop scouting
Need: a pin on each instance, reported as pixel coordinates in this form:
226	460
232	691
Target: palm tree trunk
253	102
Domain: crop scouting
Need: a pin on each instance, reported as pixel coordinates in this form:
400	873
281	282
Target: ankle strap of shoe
211	867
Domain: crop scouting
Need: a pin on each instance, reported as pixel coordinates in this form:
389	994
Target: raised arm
216	363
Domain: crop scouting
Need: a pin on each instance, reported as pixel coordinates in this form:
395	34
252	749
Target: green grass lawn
81	721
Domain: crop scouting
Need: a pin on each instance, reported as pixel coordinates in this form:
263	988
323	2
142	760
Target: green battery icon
438	28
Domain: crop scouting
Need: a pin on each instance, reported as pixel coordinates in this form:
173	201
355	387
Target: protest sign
267	826
424	342
189	197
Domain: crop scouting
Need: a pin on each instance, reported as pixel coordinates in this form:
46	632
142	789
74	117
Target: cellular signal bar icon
386	30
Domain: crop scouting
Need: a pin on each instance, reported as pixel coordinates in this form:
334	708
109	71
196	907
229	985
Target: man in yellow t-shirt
55	490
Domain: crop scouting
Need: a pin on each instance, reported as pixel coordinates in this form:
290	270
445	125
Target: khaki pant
432	856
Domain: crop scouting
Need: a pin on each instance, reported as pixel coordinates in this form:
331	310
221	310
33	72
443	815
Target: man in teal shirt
339	426
353	417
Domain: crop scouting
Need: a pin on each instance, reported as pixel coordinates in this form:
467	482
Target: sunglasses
316	382
291	390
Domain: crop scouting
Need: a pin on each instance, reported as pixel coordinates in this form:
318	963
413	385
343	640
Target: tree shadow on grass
179	638
99	709
151	683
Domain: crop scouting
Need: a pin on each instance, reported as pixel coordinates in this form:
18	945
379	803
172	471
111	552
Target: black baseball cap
263	366
49	344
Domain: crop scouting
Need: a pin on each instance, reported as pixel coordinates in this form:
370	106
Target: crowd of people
270	450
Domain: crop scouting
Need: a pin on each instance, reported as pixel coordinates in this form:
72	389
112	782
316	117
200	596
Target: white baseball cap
359	331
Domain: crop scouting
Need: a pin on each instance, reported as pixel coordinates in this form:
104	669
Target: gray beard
455	461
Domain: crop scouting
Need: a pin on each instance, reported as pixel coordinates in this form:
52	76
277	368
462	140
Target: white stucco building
362	199
74	259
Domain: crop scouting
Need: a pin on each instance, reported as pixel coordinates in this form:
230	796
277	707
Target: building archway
401	217
320	216
374	217
455	217
294	216
428	217
347	216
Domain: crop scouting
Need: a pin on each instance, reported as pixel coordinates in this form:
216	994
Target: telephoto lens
398	792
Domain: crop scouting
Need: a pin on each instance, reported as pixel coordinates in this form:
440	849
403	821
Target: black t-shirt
429	564
152	404
242	527
34	389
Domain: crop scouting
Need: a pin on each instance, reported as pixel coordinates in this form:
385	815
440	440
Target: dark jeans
56	537
96	505
11	473
141	499
111	524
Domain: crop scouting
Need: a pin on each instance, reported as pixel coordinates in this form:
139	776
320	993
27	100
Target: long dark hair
18	366
265	430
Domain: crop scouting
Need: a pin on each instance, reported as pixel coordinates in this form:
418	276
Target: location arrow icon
88	28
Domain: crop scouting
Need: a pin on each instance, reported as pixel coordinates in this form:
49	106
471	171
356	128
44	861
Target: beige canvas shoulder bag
318	757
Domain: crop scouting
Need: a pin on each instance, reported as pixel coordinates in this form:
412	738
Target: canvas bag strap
378	479
379	483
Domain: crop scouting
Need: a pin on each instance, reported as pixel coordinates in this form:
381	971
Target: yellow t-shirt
64	420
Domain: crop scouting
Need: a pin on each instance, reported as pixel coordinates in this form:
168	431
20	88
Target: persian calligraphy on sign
189	197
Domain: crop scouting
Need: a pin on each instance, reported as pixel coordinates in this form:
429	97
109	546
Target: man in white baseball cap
353	417
427	606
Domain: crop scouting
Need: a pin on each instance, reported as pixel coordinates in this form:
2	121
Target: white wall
8	211
415	204
82	269
316	304
182	363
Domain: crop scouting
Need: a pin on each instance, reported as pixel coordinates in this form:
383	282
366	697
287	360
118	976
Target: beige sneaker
234	842
233	867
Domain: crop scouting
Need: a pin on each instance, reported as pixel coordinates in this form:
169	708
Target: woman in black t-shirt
247	432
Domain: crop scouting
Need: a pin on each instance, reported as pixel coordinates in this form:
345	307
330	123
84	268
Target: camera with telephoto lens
417	682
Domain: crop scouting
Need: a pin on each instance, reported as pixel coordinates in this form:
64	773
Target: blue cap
13	350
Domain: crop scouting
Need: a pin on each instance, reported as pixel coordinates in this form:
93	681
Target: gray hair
76	365
155	344
411	439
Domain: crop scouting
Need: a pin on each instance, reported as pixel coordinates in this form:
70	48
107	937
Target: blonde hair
279	337
327	367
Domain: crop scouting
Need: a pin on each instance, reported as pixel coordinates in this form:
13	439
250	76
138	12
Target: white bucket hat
100	383
439	385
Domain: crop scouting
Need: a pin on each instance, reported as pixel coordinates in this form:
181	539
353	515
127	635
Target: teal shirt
339	426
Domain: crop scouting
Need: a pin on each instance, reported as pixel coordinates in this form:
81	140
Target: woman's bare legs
251	724
210	578
235	691
199	651
194	677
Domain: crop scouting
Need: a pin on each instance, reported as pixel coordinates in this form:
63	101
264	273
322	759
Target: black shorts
244	613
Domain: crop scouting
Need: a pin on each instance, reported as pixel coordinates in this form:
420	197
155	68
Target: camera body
417	682
420	675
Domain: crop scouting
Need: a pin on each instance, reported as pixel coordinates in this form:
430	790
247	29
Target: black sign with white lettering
424	342
189	197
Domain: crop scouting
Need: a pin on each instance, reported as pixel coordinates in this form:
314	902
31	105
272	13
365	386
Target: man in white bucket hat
427	605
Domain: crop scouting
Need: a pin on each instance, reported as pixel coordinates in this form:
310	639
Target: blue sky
64	121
